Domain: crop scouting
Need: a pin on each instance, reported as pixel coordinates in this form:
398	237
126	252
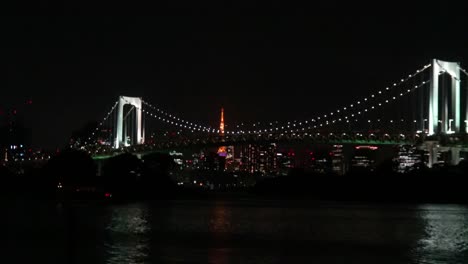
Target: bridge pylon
137	102
445	102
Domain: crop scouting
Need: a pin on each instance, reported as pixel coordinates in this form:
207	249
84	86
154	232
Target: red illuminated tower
221	124
222	149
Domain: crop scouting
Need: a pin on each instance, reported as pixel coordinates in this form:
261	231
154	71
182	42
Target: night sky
261	62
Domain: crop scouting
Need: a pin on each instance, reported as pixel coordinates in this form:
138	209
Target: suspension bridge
427	108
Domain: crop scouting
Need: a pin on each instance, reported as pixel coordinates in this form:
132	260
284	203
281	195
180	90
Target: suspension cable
356	104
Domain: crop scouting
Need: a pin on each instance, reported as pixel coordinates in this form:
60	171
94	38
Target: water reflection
446	234
220	226
220	221
236	232
128	235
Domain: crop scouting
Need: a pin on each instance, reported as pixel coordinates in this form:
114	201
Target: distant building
15	137
319	161
407	157
259	158
338	160
364	157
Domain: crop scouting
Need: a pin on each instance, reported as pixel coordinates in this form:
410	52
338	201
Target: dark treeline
72	174
437	185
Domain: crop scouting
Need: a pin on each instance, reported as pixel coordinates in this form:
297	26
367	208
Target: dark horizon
273	62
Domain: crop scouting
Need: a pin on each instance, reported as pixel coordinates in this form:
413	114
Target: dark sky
261	62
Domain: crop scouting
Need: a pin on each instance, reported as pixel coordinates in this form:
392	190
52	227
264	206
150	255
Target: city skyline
276	65
276	132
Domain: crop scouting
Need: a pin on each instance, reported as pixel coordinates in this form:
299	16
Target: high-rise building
319	161
364	157
15	137
407	157
259	158
285	161
338	161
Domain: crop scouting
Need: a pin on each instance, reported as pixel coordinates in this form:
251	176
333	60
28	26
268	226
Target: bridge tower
140	136
441	98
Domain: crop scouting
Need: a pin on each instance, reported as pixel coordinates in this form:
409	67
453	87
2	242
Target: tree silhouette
121	174
156	180
72	167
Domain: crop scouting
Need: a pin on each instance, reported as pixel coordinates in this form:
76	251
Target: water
245	231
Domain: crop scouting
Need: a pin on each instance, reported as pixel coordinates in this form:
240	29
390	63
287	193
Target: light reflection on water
236	232
446	234
220	220
226	232
220	223
128	240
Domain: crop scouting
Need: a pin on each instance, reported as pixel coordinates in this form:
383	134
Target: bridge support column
455	155
99	167
137	103
432	148
453	69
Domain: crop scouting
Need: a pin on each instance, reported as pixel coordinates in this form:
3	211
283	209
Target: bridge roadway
294	139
